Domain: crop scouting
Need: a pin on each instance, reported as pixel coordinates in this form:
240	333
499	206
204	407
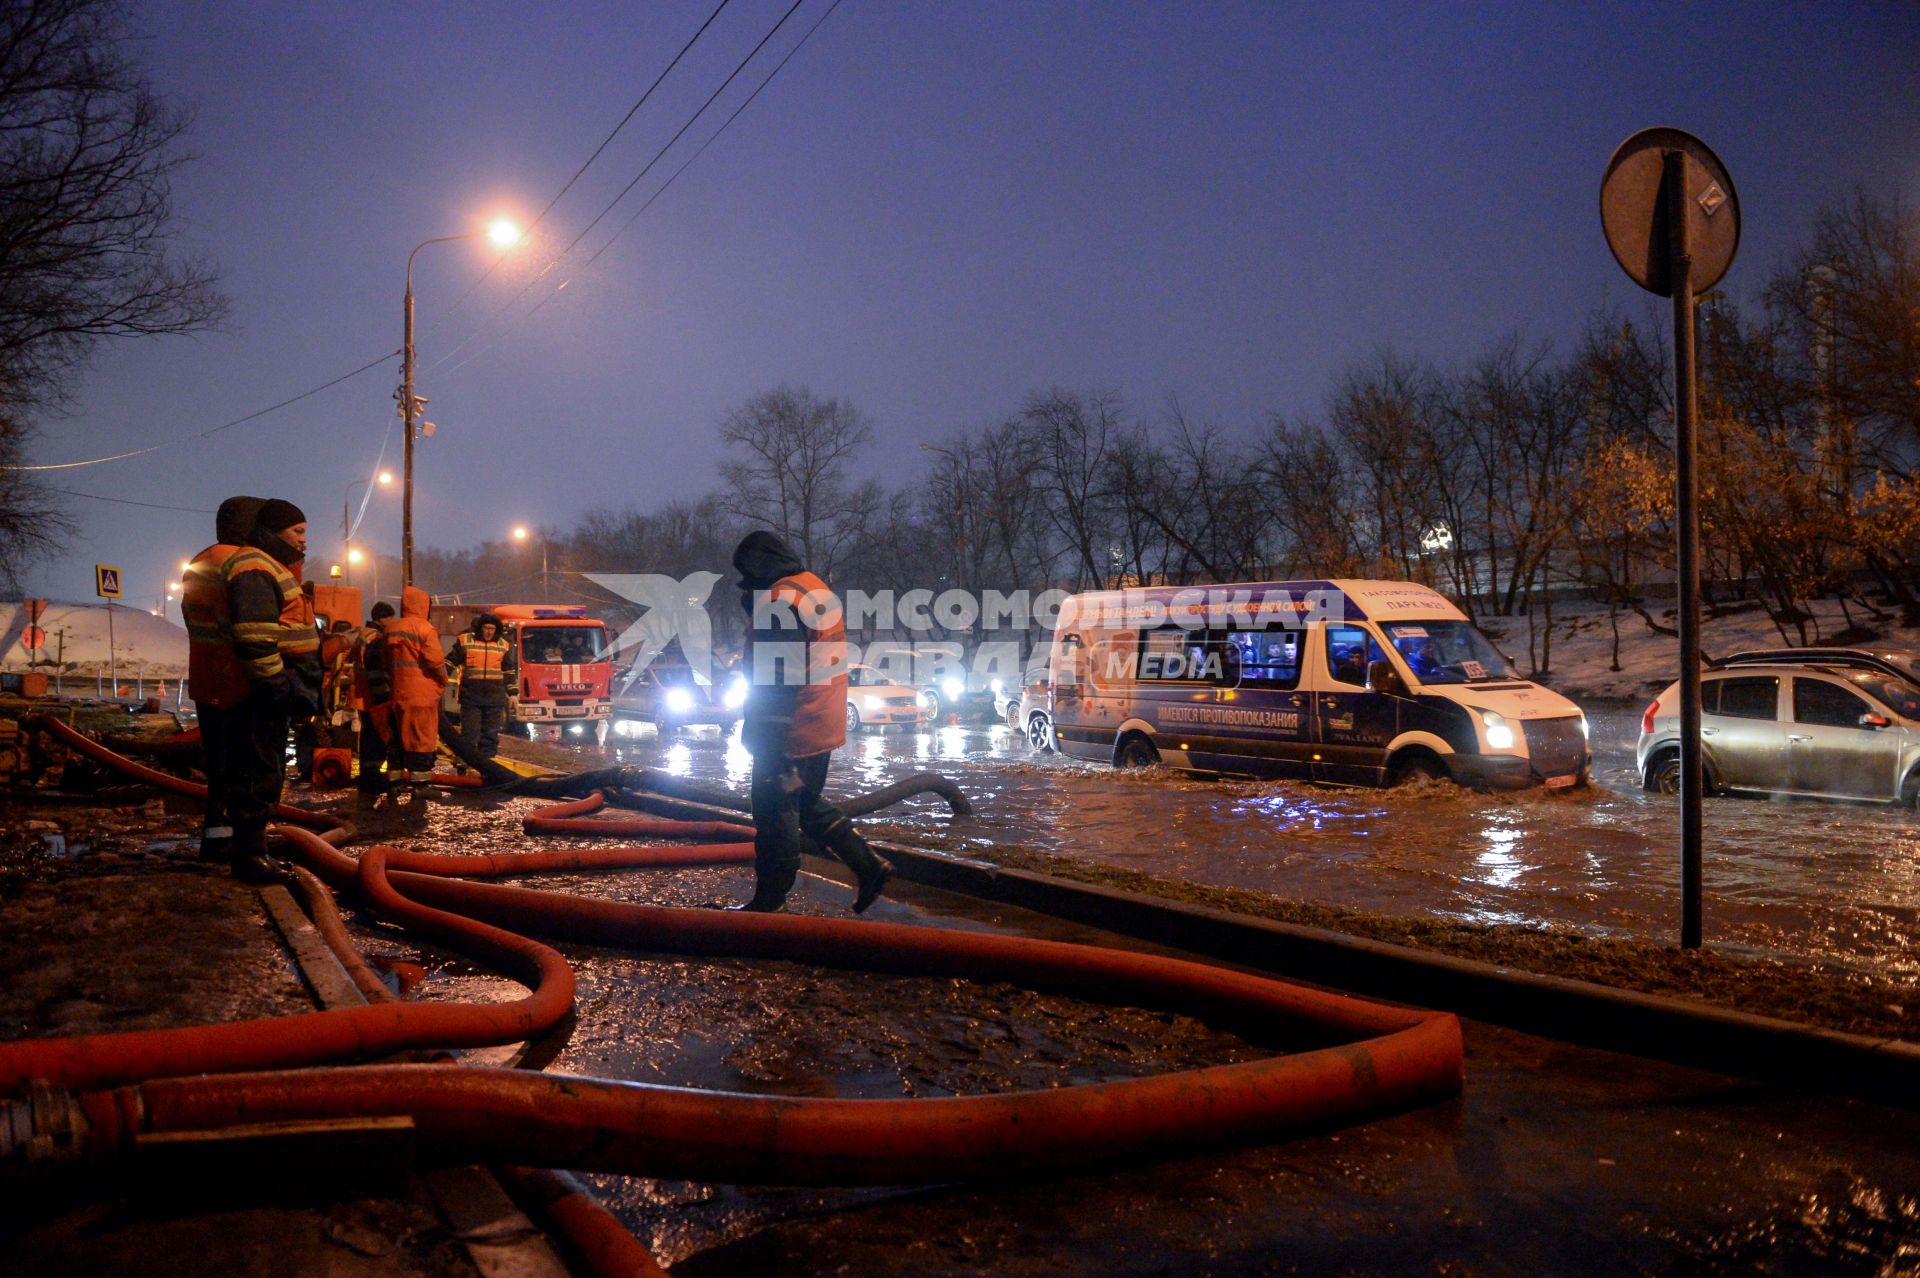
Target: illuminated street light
386	477
503	234
520	532
186	565
353	555
173	587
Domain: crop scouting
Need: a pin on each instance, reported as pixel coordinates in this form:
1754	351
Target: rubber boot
216	844
872	870
770	890
252	863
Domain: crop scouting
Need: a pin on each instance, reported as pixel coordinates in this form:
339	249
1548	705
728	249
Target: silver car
1822	730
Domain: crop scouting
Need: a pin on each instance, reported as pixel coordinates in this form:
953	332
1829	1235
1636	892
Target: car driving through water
1824	723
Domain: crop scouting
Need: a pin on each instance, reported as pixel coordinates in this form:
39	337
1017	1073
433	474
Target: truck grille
1556	746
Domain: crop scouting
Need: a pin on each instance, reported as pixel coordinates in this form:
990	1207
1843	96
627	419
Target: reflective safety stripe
482	659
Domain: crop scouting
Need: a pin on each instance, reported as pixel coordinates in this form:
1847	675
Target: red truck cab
565	660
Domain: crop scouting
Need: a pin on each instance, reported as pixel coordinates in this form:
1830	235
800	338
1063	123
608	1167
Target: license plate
1562	783
569	712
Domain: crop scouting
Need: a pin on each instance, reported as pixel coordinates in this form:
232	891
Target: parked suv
1822	723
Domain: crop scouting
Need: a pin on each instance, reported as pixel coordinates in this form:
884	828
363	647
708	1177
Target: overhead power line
125	501
579	172
624	191
215	430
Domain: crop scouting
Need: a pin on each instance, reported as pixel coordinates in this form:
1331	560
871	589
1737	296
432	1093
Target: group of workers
257	666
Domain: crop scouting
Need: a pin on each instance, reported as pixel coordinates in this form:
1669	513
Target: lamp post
504	234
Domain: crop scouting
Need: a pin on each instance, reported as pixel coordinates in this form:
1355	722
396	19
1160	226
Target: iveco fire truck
565	660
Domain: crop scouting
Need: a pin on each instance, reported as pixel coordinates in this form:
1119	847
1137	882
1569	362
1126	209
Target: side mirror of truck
1382	677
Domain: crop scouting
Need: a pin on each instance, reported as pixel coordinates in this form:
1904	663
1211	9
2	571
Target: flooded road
1784	879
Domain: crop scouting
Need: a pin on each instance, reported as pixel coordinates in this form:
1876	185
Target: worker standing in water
419	678
380	762
483	662
795	717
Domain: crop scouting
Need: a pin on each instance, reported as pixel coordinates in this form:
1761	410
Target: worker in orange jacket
419	679
215	679
795	717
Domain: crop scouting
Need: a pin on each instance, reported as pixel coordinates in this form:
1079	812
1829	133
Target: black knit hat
278	516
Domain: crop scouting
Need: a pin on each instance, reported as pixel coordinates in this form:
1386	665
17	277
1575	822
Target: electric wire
579	172
215	430
128	501
561	256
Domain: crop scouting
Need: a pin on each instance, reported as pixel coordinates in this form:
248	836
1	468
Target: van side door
1351	726
1262	717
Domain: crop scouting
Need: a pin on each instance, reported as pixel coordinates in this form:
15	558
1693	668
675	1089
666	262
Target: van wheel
1137	752
1418	770
853	717
1040	734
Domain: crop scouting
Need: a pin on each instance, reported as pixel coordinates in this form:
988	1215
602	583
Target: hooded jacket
273	634
413	646
796	657
484	666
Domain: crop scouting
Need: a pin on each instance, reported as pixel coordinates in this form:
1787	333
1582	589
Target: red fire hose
1357	1059
563	818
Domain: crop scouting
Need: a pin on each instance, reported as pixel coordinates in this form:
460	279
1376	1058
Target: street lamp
503	234
520	534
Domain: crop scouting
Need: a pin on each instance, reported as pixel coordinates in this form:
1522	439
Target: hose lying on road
1354	1059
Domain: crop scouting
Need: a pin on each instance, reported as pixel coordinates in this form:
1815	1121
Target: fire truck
565	658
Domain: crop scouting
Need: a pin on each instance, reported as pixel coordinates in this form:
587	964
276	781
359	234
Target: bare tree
1071	435
87	154
791	475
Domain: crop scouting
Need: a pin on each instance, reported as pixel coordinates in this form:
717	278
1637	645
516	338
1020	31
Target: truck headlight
1499	735
679	700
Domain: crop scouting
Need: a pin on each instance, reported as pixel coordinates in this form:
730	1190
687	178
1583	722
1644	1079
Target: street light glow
353	555
503	233
173	587
520	533
386	477
186	565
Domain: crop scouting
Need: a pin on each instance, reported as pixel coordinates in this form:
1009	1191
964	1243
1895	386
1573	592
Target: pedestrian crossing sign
106	580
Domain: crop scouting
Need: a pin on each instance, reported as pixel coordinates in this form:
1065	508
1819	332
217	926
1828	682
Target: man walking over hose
795	717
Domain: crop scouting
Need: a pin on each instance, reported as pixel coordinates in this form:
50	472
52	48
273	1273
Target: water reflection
1807	879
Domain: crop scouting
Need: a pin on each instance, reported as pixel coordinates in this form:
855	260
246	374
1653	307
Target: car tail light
1646	720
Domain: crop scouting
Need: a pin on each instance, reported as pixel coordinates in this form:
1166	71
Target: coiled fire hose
95	1096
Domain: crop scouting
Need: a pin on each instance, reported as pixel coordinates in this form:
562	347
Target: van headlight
736	694
1499	734
679	700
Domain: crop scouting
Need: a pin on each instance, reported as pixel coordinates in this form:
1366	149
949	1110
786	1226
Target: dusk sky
935	209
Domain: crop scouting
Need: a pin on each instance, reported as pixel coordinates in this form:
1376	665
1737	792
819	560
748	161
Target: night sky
935	209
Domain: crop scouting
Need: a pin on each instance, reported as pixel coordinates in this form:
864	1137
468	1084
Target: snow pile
1582	655
143	645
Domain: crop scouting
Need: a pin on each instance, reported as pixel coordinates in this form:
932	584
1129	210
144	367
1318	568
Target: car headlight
872	702
999	687
679	700
926	699
953	688
1499	735
736	694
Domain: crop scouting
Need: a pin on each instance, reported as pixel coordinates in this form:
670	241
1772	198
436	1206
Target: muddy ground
1554	1159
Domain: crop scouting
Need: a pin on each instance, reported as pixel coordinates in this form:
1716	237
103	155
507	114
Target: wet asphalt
1554	1159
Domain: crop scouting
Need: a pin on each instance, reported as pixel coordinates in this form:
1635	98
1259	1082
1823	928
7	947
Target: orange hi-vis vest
820	715
482	660
214	673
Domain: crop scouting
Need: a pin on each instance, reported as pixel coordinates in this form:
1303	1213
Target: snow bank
1582	653
143	645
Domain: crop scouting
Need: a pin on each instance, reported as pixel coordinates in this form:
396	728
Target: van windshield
1448	652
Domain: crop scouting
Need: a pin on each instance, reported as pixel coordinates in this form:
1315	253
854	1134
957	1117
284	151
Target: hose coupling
46	1125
